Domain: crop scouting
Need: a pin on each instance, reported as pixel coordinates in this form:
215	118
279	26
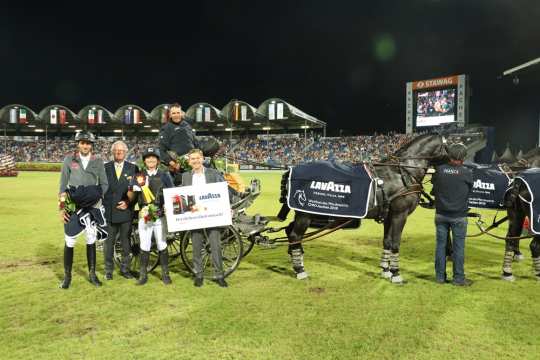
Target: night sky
344	62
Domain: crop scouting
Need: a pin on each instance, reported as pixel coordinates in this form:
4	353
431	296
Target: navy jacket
452	186
117	192
178	138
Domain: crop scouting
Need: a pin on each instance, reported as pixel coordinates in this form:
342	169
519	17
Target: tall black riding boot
143	277
164	260
91	258
68	264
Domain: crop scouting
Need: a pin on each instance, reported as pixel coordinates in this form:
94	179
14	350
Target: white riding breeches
89	231
145	235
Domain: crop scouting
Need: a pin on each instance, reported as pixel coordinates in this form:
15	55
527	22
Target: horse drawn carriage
395	189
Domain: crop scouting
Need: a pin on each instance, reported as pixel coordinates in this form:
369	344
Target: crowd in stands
279	151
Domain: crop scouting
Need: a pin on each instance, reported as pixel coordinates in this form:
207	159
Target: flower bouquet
150	213
65	203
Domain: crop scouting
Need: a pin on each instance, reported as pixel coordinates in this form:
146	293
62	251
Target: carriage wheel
174	241
135	252
247	244
231	248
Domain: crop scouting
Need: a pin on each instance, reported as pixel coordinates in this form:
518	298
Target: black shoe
126	274
108	276
465	282
164	260
92	277
198	282
166	279
143	277
91	258
222	283
68	263
66	282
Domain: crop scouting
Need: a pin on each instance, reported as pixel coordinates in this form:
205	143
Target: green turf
344	311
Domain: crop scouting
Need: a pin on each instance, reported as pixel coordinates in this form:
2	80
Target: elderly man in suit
118	210
199	175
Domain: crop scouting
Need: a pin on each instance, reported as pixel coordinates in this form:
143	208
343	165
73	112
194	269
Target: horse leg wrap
518	256
507	266
536	266
394	268
297	259
385	264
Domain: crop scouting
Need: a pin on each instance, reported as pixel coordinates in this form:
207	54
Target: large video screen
435	107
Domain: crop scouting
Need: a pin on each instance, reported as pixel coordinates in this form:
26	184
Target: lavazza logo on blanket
330	186
478	184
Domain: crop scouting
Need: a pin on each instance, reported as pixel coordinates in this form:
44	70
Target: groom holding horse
452	185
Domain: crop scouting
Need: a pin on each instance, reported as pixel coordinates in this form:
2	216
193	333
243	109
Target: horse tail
284	211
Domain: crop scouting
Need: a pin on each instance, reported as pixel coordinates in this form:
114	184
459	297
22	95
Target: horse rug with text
489	186
329	188
531	178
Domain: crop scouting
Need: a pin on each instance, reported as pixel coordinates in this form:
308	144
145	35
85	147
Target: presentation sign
197	207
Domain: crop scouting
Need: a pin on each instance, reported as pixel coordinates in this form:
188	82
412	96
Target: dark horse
517	202
400	177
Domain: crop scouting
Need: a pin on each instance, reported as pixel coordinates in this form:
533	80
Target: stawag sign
197	207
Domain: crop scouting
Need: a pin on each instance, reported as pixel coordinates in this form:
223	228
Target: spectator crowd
273	150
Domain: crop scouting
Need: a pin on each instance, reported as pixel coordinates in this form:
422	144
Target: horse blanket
489	186
329	188
531	178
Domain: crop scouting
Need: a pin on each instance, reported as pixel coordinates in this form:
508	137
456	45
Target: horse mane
409	143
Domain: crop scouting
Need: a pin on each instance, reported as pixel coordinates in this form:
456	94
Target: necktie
118	171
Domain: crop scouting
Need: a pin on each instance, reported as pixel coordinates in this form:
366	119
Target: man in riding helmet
452	185
82	184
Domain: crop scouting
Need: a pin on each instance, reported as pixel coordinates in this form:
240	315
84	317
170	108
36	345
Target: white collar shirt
198	179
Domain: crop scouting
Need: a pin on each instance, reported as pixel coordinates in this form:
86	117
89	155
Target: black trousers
123	231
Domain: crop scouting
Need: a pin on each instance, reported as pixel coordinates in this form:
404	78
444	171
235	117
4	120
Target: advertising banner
197	207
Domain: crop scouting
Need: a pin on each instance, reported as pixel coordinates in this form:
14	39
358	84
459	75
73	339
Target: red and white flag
91	117
136	116
164	115
62	116
100	116
53	116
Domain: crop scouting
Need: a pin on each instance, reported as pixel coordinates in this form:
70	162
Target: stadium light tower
521	67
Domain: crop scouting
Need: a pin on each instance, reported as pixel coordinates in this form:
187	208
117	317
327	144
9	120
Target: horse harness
411	185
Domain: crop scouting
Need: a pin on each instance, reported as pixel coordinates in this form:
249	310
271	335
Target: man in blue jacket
118	209
452	185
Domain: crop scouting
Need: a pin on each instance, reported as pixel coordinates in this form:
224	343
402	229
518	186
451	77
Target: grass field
343	311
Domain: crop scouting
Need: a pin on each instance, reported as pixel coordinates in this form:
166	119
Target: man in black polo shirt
452	185
176	135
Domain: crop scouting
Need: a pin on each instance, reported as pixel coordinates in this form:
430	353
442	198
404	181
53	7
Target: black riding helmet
151	151
86	136
457	151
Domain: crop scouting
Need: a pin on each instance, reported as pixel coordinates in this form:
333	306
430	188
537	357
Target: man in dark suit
118	210
199	175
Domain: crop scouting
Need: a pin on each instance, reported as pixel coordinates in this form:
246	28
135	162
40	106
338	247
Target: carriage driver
452	185
147	190
83	178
